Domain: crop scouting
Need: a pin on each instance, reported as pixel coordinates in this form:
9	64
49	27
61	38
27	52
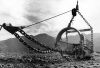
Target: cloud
26	12
12	11
37	10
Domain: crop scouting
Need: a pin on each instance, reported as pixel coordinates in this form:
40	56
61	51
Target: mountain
97	42
13	45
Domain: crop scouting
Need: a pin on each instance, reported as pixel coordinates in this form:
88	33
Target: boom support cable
46	19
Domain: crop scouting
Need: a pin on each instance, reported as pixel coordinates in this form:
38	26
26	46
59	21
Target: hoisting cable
84	19
90	28
46	19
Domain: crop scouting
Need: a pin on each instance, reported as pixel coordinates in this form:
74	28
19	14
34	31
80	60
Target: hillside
12	45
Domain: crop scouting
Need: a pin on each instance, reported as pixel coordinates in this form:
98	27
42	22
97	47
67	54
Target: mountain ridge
13	44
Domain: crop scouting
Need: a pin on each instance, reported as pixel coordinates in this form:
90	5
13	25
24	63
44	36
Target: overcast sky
26	12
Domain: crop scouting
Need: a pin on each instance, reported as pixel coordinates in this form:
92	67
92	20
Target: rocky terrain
14	54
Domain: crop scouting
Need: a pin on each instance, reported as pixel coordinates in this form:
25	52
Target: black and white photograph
49	34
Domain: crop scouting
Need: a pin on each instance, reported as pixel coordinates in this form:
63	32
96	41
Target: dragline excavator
78	51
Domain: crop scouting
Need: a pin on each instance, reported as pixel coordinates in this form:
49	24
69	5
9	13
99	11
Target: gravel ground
78	64
15	63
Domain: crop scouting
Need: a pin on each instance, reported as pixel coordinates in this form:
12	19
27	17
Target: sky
26	12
